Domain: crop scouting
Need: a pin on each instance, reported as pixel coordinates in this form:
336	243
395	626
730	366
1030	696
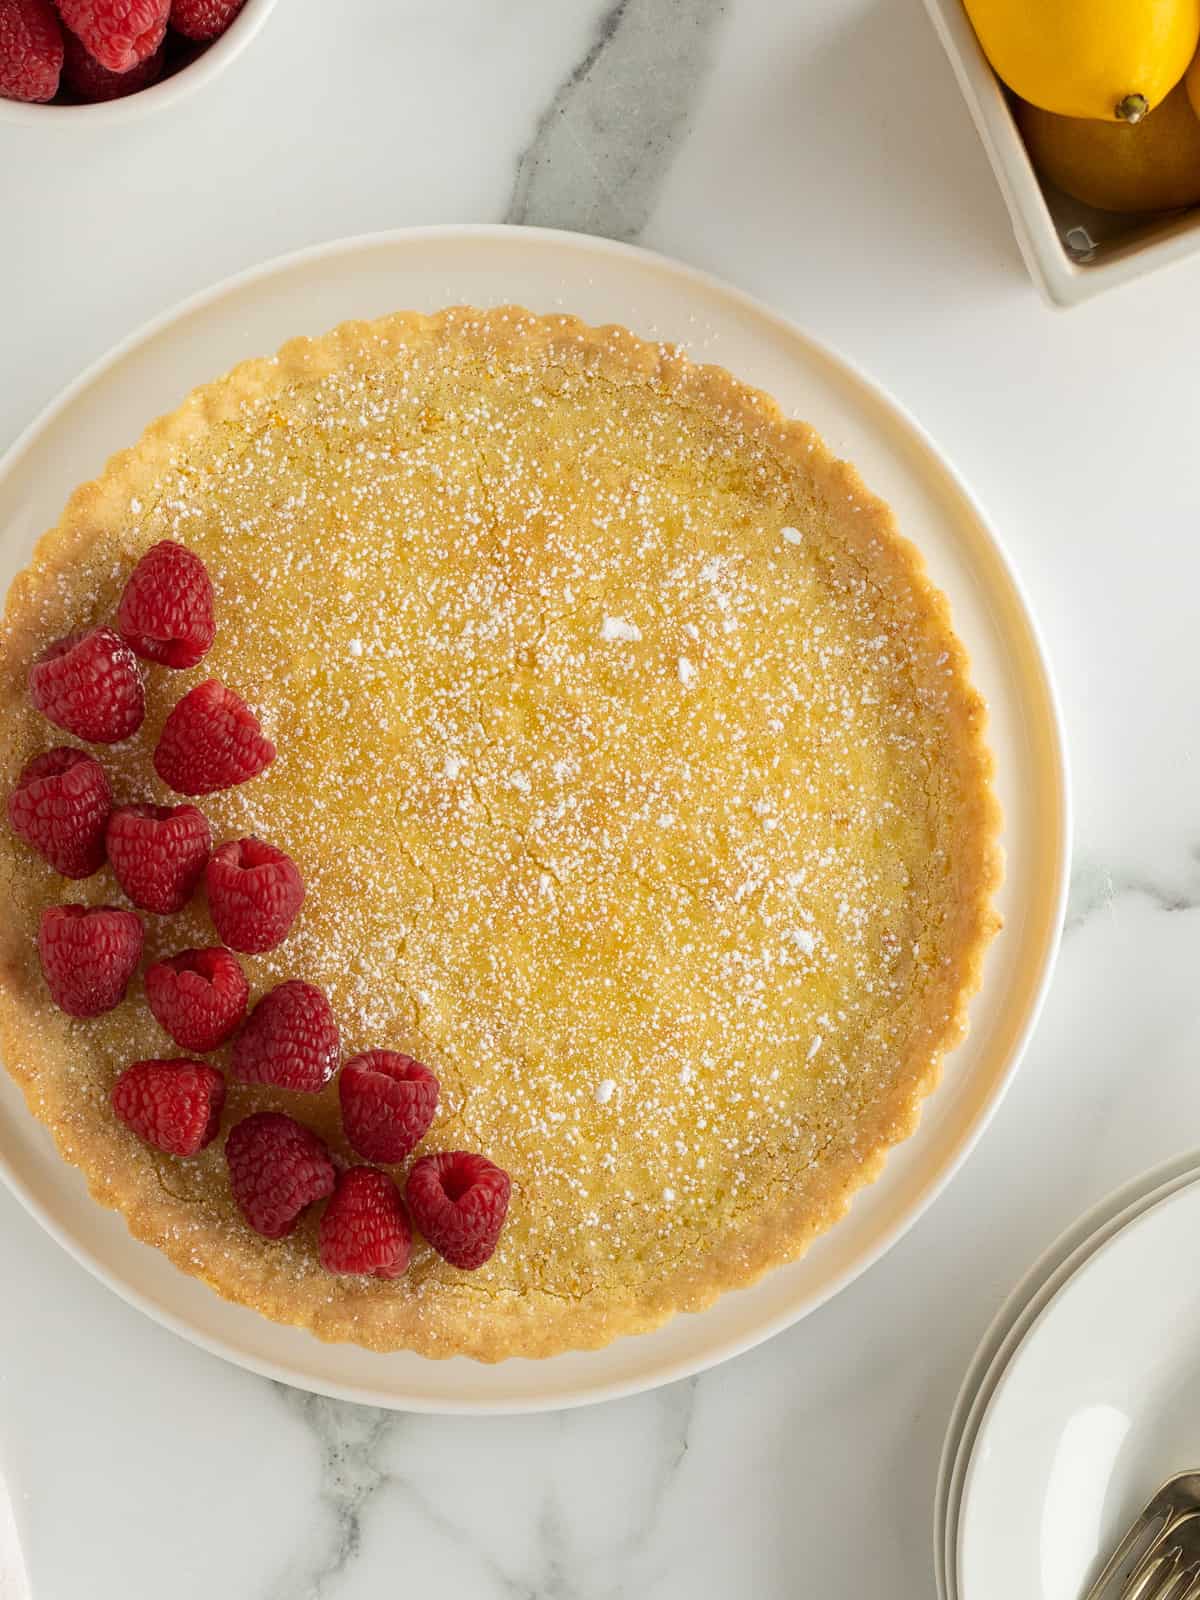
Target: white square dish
1072	251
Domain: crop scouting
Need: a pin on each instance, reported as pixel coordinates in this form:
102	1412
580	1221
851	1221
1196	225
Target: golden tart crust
636	777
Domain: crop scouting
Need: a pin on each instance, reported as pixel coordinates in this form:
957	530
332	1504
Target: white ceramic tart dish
636	777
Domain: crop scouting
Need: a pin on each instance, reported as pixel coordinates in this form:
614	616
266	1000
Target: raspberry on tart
88	955
158	854
388	1102
459	1202
254	894
291	1040
277	1167
166	611
60	806
210	741
365	1226
89	684
198	996
173	1105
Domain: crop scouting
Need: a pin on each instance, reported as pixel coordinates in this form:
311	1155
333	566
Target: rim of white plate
1022	1305
1140	1218
934	1185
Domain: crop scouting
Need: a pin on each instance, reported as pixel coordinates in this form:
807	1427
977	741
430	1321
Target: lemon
1192	83
1154	166
1110	59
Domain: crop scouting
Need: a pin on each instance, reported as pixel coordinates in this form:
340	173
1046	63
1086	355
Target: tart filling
637	783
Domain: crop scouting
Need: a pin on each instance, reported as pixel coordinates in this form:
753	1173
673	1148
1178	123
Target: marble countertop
821	158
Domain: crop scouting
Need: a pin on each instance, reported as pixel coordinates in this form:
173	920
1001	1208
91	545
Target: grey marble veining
349	1439
1096	888
606	141
372	1472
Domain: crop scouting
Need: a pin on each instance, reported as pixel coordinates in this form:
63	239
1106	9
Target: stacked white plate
1083	1398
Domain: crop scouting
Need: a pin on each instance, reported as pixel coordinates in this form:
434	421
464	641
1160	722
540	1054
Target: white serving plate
1099	1405
1012	1322
106	409
1127	251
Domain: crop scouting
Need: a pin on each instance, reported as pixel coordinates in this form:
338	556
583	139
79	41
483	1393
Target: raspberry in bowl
112	59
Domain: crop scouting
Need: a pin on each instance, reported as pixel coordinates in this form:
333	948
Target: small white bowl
158	96
1072	252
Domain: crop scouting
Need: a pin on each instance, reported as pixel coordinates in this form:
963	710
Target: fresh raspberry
276	1168
158	854
365	1226
388	1101
459	1202
31	50
291	1040
88	956
166	612
203	19
89	683
211	740
119	33
254	893
198	996
88	80
174	1105
60	806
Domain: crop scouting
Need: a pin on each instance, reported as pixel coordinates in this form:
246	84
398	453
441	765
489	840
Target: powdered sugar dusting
620	628
531	861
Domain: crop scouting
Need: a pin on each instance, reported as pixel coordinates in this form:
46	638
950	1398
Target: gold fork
1159	1558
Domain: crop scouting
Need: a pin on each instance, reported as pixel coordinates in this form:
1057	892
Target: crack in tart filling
638	787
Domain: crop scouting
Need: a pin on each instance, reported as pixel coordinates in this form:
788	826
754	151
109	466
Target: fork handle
1154	1578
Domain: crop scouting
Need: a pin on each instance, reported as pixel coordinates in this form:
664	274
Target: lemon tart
638	784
